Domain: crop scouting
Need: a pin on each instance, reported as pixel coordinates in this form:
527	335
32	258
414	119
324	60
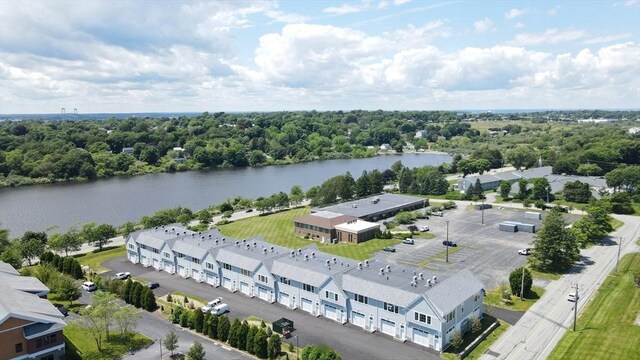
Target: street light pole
447	258
522	285
160	347
619	247
482	210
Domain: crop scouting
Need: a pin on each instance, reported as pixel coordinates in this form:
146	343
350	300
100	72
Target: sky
192	56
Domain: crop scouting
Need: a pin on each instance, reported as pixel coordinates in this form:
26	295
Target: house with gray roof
376	207
311	280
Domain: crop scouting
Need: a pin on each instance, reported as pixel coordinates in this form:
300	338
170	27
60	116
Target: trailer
533	215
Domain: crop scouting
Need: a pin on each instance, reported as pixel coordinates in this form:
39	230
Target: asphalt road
540	329
153	327
348	340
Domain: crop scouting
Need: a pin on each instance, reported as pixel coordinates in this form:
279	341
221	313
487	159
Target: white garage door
307	305
331	312
210	279
226	282
420	337
357	319
182	271
244	288
285	299
263	293
388	327
133	257
156	263
195	274
143	260
168	267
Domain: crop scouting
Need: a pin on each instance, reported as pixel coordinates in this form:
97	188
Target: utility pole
160	347
447	258
619	248
482	211
522	285
575	309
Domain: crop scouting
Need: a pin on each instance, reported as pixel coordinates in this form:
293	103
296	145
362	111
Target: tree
67	289
363	185
376	185
96	319
515	281
97	235
198	320
233	333
260	344
592	227
522	156
456	339
476	324
126	291
223	327
522	189
196	352
505	189
31	249
541	189
275	346
405	180
478	190
251	334
4	240
213	327
126	318
170	342
296	195
242	335
149	302
576	191
69	241
136	295
555	246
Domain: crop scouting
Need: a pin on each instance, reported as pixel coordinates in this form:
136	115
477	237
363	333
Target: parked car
249	210
424	228
153	285
412	228
389	249
211	304
123	275
449	243
437	213
407	241
220	309
526	251
89	286
572	297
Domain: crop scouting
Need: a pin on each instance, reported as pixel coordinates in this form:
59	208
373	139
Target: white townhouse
408	304
242	267
195	255
149	247
309	279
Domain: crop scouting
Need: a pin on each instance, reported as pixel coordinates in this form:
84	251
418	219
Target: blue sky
154	56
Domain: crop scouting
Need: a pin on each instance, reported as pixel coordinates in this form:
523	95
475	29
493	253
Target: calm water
118	200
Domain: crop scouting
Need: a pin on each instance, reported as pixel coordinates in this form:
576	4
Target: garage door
357	319
210	279
156	264
307	305
285	299
195	274
226	282
181	271
168	267
263	293
420	337
133	257
244	288
143	260
388	327
331	312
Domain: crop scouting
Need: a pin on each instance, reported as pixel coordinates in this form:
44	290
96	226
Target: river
121	199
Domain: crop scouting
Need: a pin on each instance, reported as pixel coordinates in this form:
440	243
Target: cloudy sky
156	56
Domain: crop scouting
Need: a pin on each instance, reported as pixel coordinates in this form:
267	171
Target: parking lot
488	253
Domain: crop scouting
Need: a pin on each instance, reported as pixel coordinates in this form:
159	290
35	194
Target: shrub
456	339
476	324
169	298
275	346
223	327
250	337
213	327
198	319
184	319
260	344
515	281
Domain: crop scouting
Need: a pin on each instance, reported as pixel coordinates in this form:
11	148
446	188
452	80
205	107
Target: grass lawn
488	341
494	298
278	229
546	276
75	306
615	223
441	256
80	345
606	329
452	353
636	209
575	205
95	259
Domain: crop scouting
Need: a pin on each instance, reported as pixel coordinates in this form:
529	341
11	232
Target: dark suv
449	243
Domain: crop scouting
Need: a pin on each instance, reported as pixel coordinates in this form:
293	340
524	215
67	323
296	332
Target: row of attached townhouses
405	303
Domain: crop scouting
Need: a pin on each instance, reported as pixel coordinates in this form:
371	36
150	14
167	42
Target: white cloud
519	25
550	36
627	3
606	38
400	2
514	13
483	25
343	9
553	11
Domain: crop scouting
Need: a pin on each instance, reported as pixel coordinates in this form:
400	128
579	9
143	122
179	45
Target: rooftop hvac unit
334	259
388	268
428	282
366	262
381	271
415	278
421	276
413	283
359	265
435	279
313	254
306	257
328	262
264	250
271	248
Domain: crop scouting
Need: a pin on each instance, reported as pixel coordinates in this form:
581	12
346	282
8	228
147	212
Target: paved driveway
348	340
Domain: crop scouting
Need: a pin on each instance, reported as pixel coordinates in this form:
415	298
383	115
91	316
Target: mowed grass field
606	328
95	259
278	229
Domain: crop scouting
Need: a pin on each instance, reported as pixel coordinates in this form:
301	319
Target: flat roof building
376	207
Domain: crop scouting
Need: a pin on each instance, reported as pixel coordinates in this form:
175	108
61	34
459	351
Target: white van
220	309
89	286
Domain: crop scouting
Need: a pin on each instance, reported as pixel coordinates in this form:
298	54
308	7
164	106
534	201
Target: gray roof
451	292
38	328
366	206
8	269
156	237
535	172
19	304
22	283
313	269
197	245
248	254
393	287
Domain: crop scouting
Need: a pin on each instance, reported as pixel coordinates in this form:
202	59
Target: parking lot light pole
522	285
160	347
482	211
447	258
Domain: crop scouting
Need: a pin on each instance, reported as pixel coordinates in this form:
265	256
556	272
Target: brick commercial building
320	226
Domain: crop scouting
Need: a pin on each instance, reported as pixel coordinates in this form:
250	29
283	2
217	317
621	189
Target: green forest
38	151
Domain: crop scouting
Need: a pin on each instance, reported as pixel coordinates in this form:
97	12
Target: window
422	318
209	266
477	297
391	308
167	255
226	266
131	247
180	255
361	299
331	295
245	272
309	288
285	281
38	343
18	347
450	316
263	279
156	251
195	261
53	338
